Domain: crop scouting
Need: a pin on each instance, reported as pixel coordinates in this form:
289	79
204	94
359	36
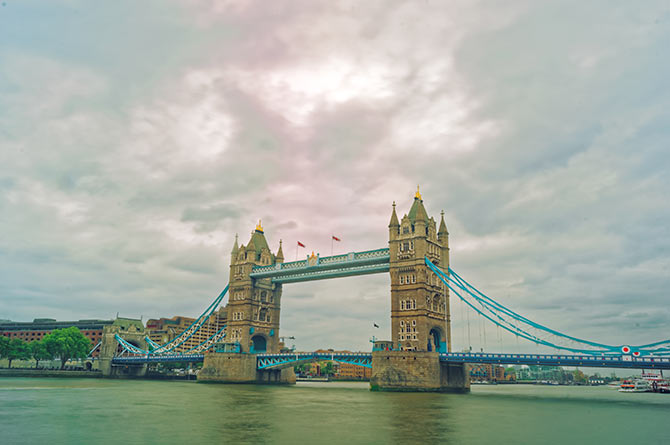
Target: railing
141	359
276	361
605	361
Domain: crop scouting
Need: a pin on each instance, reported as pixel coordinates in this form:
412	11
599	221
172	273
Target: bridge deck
615	361
141	359
275	361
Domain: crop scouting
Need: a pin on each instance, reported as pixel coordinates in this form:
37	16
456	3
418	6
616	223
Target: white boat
637	385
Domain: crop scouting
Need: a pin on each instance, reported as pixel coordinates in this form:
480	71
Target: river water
83	411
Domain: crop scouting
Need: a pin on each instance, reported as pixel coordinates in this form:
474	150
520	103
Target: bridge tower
252	315
253	305
420	318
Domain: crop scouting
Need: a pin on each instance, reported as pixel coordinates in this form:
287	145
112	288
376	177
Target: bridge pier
133	332
225	367
415	371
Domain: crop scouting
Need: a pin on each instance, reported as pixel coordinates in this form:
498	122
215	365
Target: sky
137	138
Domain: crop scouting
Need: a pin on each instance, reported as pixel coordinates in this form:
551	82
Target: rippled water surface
95	411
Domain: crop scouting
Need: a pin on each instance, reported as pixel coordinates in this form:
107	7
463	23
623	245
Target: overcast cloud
136	139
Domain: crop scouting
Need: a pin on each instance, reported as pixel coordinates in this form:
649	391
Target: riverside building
38	328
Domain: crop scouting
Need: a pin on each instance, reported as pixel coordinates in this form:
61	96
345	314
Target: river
96	411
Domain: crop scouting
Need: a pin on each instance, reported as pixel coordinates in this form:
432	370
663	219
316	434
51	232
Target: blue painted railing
138	360
608	361
277	361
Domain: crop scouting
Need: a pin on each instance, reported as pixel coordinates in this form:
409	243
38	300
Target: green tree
327	368
579	376
38	351
67	344
4	346
18	350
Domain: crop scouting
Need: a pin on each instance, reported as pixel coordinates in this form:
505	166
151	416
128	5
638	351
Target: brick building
164	330
343	371
488	372
36	330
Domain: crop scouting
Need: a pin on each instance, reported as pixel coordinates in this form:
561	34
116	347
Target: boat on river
637	385
658	382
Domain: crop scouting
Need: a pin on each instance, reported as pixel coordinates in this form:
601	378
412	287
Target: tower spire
235	246
394	218
280	254
443	225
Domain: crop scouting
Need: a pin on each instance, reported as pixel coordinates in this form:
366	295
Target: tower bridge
418	357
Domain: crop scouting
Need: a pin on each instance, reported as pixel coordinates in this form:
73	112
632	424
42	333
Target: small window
413	322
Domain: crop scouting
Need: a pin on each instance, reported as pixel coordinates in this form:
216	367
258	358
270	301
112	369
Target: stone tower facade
253	305
420	317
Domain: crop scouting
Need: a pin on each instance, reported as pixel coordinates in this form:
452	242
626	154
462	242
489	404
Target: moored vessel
637	385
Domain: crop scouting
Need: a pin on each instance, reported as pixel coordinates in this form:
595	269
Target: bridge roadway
276	361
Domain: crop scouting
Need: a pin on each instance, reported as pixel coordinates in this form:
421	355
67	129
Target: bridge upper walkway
320	268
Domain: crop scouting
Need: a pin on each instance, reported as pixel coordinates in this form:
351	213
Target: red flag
336	238
301	244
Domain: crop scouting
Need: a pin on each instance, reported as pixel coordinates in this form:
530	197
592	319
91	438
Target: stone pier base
416	372
223	367
121	371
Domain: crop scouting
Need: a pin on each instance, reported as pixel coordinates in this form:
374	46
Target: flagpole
296	251
331	246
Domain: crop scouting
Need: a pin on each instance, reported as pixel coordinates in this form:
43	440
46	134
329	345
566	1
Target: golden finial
418	193
259	228
313	255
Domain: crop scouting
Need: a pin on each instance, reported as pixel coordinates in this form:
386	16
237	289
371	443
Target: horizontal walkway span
317	268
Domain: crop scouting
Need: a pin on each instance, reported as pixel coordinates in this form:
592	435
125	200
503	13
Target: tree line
64	344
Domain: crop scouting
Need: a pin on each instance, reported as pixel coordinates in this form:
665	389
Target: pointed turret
394	218
251	246
234	252
280	254
418	212
258	241
443	225
236	248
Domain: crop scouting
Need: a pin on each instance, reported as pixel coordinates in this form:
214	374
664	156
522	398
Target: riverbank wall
24	372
